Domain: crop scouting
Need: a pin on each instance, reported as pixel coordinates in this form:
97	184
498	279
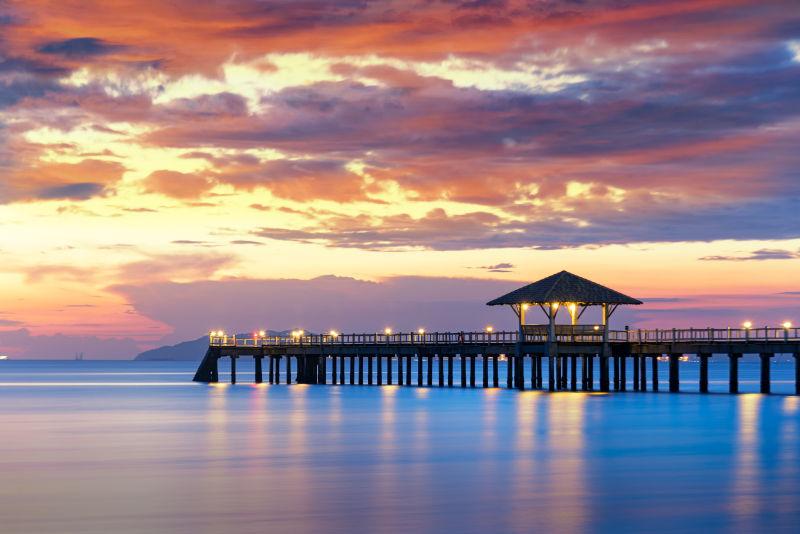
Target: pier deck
379	358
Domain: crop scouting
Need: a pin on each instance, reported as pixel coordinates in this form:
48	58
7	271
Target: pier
578	356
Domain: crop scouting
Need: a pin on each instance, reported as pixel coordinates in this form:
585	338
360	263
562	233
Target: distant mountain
189	351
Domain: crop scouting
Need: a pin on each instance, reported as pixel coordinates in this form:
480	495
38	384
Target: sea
118	447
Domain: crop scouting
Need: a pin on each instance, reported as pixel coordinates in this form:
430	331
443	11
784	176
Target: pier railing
533	334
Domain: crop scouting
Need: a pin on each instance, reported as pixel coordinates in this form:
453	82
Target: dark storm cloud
79	191
79	48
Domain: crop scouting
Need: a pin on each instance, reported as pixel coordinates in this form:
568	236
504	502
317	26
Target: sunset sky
171	167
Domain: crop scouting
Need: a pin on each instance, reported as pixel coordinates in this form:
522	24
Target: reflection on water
273	458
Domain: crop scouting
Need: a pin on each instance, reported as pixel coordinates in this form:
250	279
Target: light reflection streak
566	435
85	384
746	483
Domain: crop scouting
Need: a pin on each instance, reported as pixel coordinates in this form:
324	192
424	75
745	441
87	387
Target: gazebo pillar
552	310
519	376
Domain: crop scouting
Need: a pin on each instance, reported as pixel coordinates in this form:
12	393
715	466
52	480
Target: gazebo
571	292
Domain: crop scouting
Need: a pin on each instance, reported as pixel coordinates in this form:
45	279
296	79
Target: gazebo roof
564	287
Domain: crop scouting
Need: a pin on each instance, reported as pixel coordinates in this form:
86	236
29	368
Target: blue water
136	447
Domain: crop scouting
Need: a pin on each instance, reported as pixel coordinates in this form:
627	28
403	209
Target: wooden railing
533	334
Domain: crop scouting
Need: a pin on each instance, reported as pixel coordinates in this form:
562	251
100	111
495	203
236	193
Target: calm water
136	447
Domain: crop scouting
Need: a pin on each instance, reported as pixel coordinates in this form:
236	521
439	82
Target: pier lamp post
786	326
747	325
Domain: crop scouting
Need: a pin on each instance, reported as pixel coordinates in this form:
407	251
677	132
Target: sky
167	168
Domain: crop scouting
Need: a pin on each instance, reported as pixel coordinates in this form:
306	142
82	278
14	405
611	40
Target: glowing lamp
333	333
554	305
387	331
787	325
262	333
596	327
526	306
421	331
747	325
489	329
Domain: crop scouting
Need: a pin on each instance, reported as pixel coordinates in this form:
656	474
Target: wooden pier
410	358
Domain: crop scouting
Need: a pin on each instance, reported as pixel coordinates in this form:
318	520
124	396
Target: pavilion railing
533	334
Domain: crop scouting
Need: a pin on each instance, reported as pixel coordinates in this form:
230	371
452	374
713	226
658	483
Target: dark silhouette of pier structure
410	358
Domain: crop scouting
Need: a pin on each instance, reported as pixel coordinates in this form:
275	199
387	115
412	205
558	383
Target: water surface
136	447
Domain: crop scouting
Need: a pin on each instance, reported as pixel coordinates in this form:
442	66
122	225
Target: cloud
498	268
60	181
23	344
79	47
758	255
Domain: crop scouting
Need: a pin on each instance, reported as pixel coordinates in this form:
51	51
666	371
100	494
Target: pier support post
272	369
519	371
334	377
604	381
765	364
360	370
733	372
289	370
259	375
322	369
495	371
704	372
379	359
616	373
441	370
463	371
539	367
389	370
509	371
430	369
573	370
342	379
590	371
485	371
635	361
674	380
233	369
642	372
623	372
400	377
655	372
558	373
419	369
369	369
472	371
449	370
797	373
584	385
408	370
278	370
533	371
551	372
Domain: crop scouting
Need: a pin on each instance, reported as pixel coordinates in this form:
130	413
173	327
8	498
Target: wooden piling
341	370
472	371
259	375
704	372
674	377
551	378
533	371
485	371
495	371
604	379
643	372
655	372
360	370
400	376
616	373
519	371
623	371
509	371
334	377
463	371
584	386
271	369
441	370
765	368
380	369
389	369
289	370
797	373
233	369
573	372
278	370
590	372
635	362
733	372
449	370
369	369
430	369
419	369
408	370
